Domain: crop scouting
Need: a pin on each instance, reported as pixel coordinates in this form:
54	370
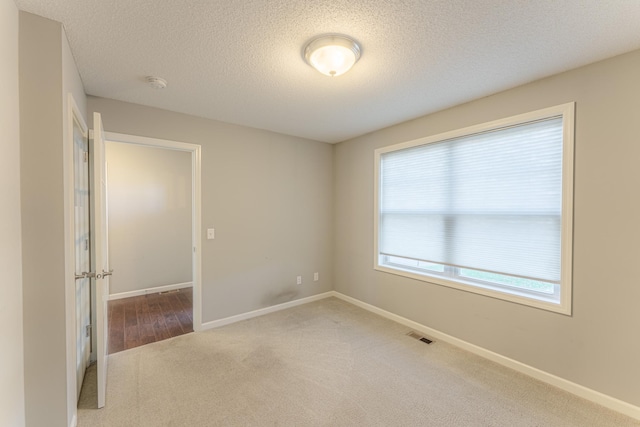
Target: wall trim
74	421
566	385
153	290
261	312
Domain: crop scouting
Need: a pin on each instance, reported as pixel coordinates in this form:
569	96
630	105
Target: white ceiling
239	61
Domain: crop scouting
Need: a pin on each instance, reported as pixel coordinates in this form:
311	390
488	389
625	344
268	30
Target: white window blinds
490	201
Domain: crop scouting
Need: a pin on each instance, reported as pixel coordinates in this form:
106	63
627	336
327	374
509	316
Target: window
486	209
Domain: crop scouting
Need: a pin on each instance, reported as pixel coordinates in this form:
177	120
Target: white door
101	248
82	247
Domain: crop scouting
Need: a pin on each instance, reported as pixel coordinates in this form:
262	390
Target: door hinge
86	156
88	330
86	244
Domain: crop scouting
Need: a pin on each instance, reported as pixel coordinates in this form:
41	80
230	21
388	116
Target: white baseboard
566	385
261	312
150	290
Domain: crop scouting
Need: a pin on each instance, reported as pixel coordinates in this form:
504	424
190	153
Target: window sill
514	296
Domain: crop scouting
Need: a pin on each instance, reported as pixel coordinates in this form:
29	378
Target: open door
82	255
101	249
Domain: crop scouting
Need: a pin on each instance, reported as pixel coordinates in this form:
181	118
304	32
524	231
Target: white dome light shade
332	54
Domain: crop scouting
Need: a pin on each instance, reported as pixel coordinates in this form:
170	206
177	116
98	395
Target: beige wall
11	355
149	191
269	197
597	346
47	73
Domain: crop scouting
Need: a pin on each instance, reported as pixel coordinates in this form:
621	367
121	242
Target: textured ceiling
240	62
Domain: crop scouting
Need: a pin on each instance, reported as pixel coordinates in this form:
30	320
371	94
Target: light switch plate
211	233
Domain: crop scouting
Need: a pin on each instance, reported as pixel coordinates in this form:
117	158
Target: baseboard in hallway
149	318
153	290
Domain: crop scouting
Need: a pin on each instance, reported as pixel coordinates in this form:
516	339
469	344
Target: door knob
104	274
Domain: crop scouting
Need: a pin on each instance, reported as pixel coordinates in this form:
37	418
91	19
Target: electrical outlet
211	233
299	280
316	277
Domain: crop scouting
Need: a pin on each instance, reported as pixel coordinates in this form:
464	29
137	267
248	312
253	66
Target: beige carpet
326	363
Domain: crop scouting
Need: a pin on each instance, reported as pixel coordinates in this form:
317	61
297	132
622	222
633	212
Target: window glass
487	207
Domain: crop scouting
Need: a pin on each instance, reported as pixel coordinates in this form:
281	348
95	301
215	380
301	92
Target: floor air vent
419	337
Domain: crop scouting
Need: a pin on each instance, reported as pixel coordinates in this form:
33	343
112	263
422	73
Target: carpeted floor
326	363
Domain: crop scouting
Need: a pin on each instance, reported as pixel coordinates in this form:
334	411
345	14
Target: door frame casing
196	183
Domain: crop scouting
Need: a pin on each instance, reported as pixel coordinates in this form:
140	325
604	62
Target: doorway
153	198
93	377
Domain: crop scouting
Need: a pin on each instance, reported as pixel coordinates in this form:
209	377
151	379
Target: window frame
564	305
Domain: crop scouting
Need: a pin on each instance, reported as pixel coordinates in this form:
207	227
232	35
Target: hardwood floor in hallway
149	318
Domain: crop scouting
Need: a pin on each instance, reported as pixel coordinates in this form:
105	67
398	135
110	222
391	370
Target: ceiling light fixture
332	54
156	82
